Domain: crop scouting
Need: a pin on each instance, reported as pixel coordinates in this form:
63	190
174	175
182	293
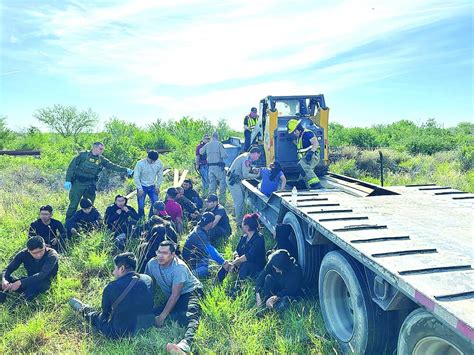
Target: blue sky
375	61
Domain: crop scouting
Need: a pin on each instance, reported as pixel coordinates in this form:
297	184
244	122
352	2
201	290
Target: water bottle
294	196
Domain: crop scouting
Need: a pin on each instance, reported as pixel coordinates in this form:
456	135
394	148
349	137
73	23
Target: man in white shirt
148	177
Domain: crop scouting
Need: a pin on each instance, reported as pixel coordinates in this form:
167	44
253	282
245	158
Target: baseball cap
207	217
212	198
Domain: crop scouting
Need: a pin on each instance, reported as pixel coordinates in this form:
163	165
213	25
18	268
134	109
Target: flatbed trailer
393	266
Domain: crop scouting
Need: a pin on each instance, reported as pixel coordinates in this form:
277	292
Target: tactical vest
88	167
299	144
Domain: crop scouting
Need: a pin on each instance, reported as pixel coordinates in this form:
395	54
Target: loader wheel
309	256
421	333
349	314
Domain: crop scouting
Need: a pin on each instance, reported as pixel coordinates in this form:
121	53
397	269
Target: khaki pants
238	196
217	176
310	176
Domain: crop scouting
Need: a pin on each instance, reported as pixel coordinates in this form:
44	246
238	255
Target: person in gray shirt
183	291
216	154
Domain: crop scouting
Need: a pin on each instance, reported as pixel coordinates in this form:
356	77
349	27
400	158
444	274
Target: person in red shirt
174	209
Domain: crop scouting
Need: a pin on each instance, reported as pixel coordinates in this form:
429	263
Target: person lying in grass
127	302
183	291
41	265
279	283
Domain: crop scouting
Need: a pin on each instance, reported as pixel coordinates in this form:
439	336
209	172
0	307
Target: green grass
48	325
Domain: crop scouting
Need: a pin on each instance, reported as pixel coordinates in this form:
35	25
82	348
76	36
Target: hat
255	150
212	198
85	203
253	109
281	259
206	218
159	205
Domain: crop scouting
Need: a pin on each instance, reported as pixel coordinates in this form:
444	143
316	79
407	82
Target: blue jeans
202	269
151	192
204	171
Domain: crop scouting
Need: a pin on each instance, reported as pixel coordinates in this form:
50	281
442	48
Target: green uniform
303	145
83	173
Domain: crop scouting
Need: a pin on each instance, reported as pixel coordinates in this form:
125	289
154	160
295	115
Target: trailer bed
420	239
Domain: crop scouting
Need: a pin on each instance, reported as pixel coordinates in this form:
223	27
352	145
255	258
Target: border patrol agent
216	154
250	121
83	173
307	146
241	168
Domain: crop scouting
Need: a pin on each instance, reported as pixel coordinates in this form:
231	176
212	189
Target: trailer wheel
350	316
421	333
309	256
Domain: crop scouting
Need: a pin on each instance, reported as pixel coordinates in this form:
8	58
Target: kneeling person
183	291
220	228
127	302
41	265
279	282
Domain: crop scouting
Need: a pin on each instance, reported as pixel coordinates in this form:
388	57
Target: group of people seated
127	302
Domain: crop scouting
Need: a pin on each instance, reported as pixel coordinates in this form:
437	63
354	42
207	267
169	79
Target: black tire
351	317
422	333
309	256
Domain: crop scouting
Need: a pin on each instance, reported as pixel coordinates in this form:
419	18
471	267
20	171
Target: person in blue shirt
198	249
273	179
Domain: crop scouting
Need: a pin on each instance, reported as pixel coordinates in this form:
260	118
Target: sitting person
198	250
221	228
280	281
158	231
173	209
85	220
127	302
121	220
273	179
191	194
183	291
190	209
282	237
41	265
250	253
50	229
159	209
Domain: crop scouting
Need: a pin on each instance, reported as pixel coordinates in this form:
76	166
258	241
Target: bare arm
216	221
175	294
283	182
314	144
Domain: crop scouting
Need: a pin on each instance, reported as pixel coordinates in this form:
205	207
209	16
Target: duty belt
84	179
216	164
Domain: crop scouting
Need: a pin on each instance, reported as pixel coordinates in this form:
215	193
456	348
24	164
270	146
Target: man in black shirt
120	219
50	229
127	302
86	219
41	265
279	282
221	227
192	194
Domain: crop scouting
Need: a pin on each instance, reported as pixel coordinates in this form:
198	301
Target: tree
5	133
67	120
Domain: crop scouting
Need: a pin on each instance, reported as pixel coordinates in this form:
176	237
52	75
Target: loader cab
278	144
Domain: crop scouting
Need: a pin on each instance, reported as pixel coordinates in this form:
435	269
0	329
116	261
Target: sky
139	60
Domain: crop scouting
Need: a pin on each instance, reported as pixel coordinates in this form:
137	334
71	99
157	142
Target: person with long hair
249	257
273	179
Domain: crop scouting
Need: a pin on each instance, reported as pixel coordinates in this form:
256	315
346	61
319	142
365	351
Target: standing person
216	155
249	257
41	265
220	228
198	250
183	291
241	168
174	209
250	121
273	179
83	173
127	302
280	282
86	219
201	164
307	146
50	229
148	177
